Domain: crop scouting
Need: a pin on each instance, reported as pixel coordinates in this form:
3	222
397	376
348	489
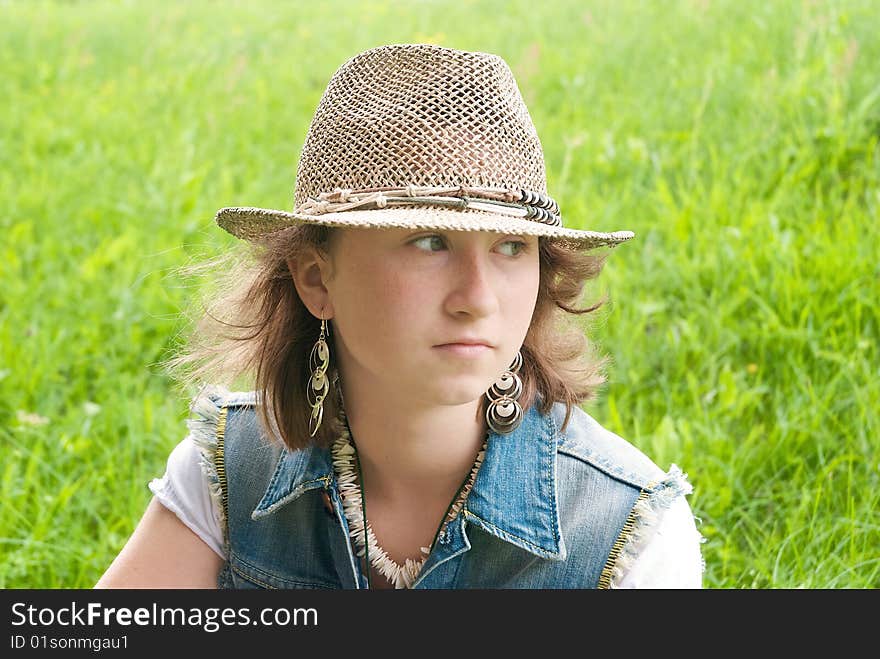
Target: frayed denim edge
641	523
206	431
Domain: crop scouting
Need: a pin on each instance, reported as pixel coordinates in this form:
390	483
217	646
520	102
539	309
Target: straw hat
424	137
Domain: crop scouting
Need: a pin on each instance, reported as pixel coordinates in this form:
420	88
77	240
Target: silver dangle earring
318	384
504	413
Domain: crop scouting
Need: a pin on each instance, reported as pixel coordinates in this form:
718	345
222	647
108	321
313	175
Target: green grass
739	140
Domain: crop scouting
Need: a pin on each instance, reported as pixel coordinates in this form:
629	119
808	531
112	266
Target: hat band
527	204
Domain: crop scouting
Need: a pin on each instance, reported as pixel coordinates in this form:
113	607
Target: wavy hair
252	324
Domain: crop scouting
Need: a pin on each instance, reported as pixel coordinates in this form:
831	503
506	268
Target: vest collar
514	496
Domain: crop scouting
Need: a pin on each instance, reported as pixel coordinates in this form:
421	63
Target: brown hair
254	325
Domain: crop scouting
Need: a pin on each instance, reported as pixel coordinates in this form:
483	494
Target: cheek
520	298
403	302
382	307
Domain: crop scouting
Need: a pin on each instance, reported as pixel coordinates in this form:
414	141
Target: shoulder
585	440
658	544
234	418
211	398
215	409
670	558
228	429
598	450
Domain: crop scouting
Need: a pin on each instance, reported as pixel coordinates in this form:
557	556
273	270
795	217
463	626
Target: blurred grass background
739	140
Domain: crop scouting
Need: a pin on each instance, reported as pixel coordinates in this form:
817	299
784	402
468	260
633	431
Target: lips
469	342
465	350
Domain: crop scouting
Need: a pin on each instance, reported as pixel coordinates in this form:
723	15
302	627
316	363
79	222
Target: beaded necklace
345	460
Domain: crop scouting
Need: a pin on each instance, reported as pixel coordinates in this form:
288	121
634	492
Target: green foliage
739	140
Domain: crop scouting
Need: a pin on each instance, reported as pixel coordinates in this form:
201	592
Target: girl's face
397	295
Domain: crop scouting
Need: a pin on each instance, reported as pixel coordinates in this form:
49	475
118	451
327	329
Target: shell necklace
347	467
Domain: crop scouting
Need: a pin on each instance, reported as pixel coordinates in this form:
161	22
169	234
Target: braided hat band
517	203
421	136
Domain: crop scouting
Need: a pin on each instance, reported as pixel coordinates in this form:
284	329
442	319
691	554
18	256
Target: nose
473	284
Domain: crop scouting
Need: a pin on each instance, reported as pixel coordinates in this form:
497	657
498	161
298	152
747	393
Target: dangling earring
318	384
504	413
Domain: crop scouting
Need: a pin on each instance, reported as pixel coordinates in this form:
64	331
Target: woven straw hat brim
251	223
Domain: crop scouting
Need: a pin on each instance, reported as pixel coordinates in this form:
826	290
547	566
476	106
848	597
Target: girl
415	418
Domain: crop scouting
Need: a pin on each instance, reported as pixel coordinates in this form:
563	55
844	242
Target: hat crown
421	115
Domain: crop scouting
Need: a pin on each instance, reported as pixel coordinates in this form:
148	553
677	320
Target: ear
310	273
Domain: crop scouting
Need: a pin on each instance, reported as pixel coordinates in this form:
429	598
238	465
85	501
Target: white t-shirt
671	559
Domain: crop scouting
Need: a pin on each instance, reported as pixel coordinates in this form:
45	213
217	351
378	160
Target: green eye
520	246
423	239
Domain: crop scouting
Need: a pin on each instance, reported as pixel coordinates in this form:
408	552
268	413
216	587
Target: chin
460	395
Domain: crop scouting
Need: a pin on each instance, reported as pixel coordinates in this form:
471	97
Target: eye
519	245
427	240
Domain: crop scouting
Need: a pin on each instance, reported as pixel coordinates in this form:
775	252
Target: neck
410	453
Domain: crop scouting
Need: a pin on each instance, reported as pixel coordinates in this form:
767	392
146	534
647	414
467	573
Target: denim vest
548	509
